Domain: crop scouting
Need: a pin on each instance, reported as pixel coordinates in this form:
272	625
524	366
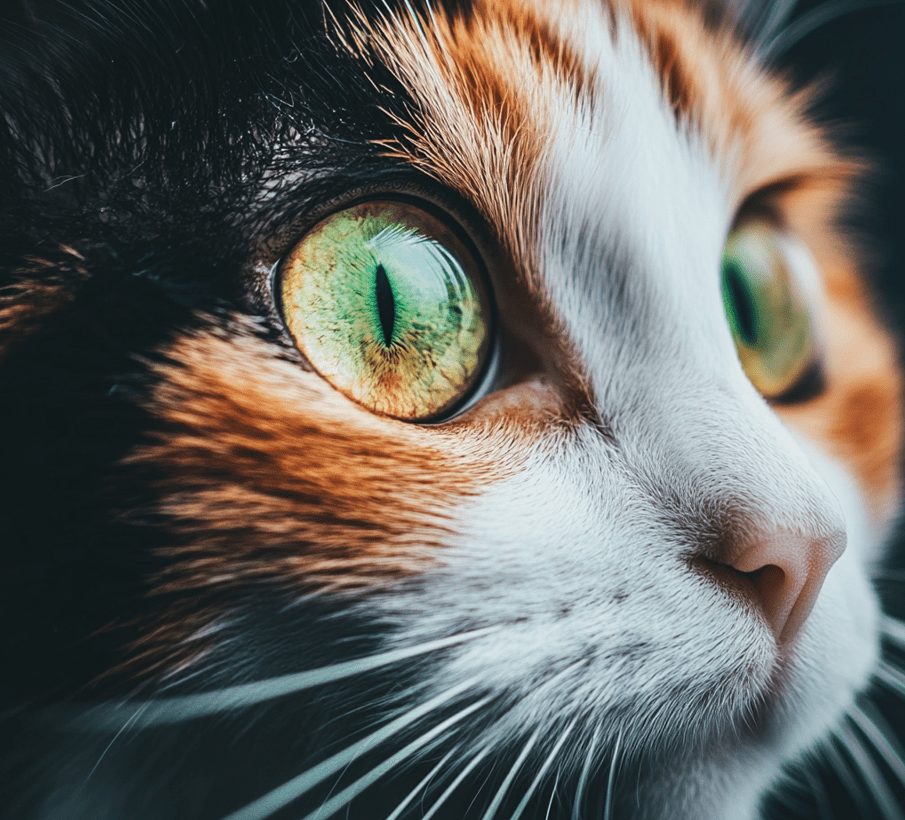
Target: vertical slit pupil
386	304
741	304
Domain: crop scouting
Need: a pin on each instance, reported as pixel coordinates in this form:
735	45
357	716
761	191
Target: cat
457	410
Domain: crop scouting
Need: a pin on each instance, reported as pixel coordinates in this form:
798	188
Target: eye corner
811	384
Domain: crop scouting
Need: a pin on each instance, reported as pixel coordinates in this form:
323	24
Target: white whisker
352	791
847	778
777	14
421	785
459	778
159	711
123	728
611	780
283	795
552	796
814	19
894	629
585	774
494	806
824	810
891	677
881	735
543	770
871	775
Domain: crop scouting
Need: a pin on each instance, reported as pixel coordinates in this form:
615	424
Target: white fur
581	560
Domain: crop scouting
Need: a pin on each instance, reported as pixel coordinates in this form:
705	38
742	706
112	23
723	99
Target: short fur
193	510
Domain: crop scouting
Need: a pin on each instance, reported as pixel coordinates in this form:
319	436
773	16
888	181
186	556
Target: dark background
860	56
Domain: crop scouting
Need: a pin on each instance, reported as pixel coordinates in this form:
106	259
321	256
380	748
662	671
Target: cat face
622	526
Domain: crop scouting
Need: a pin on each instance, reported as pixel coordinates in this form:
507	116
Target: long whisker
161	711
870	774
352	791
813	20
494	806
543	770
122	729
824	810
778	12
459	778
880	734
891	677
585	774
893	628
611	780
849	781
552	796
421	785
283	795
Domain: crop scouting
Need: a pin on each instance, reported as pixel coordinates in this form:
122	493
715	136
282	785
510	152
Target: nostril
791	569
774	595
782	573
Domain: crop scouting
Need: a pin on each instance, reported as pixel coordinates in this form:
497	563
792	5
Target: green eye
767	311
389	306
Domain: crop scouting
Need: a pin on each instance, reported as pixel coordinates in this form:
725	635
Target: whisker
543	770
459	778
893	628
818	791
161	711
494	806
283	795
847	778
122	729
880	734
552	796
778	12
611	780
414	792
891	677
871	775
585	774
353	790
814	19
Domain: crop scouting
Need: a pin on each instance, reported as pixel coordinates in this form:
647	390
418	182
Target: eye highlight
766	306
389	305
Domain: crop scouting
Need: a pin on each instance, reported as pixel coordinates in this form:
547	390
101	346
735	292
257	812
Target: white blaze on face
584	558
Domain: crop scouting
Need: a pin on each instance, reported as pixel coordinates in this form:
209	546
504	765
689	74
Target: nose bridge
755	511
726	447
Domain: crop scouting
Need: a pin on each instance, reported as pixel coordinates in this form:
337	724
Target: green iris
767	312
388	305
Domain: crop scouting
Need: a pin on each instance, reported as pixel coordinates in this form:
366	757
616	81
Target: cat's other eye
390	306
764	293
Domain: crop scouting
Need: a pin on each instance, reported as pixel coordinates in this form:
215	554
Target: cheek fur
273	474
37	292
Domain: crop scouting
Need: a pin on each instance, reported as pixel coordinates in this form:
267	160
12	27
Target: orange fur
274	475
482	132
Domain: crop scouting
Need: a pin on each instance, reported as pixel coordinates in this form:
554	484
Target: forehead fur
490	85
641	125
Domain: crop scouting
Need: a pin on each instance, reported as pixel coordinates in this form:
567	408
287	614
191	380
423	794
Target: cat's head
512	348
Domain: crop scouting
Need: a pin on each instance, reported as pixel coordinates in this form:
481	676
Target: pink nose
787	571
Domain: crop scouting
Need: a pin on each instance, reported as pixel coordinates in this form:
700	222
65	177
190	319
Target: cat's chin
814	682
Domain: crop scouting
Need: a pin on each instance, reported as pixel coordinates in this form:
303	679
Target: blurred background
859	56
